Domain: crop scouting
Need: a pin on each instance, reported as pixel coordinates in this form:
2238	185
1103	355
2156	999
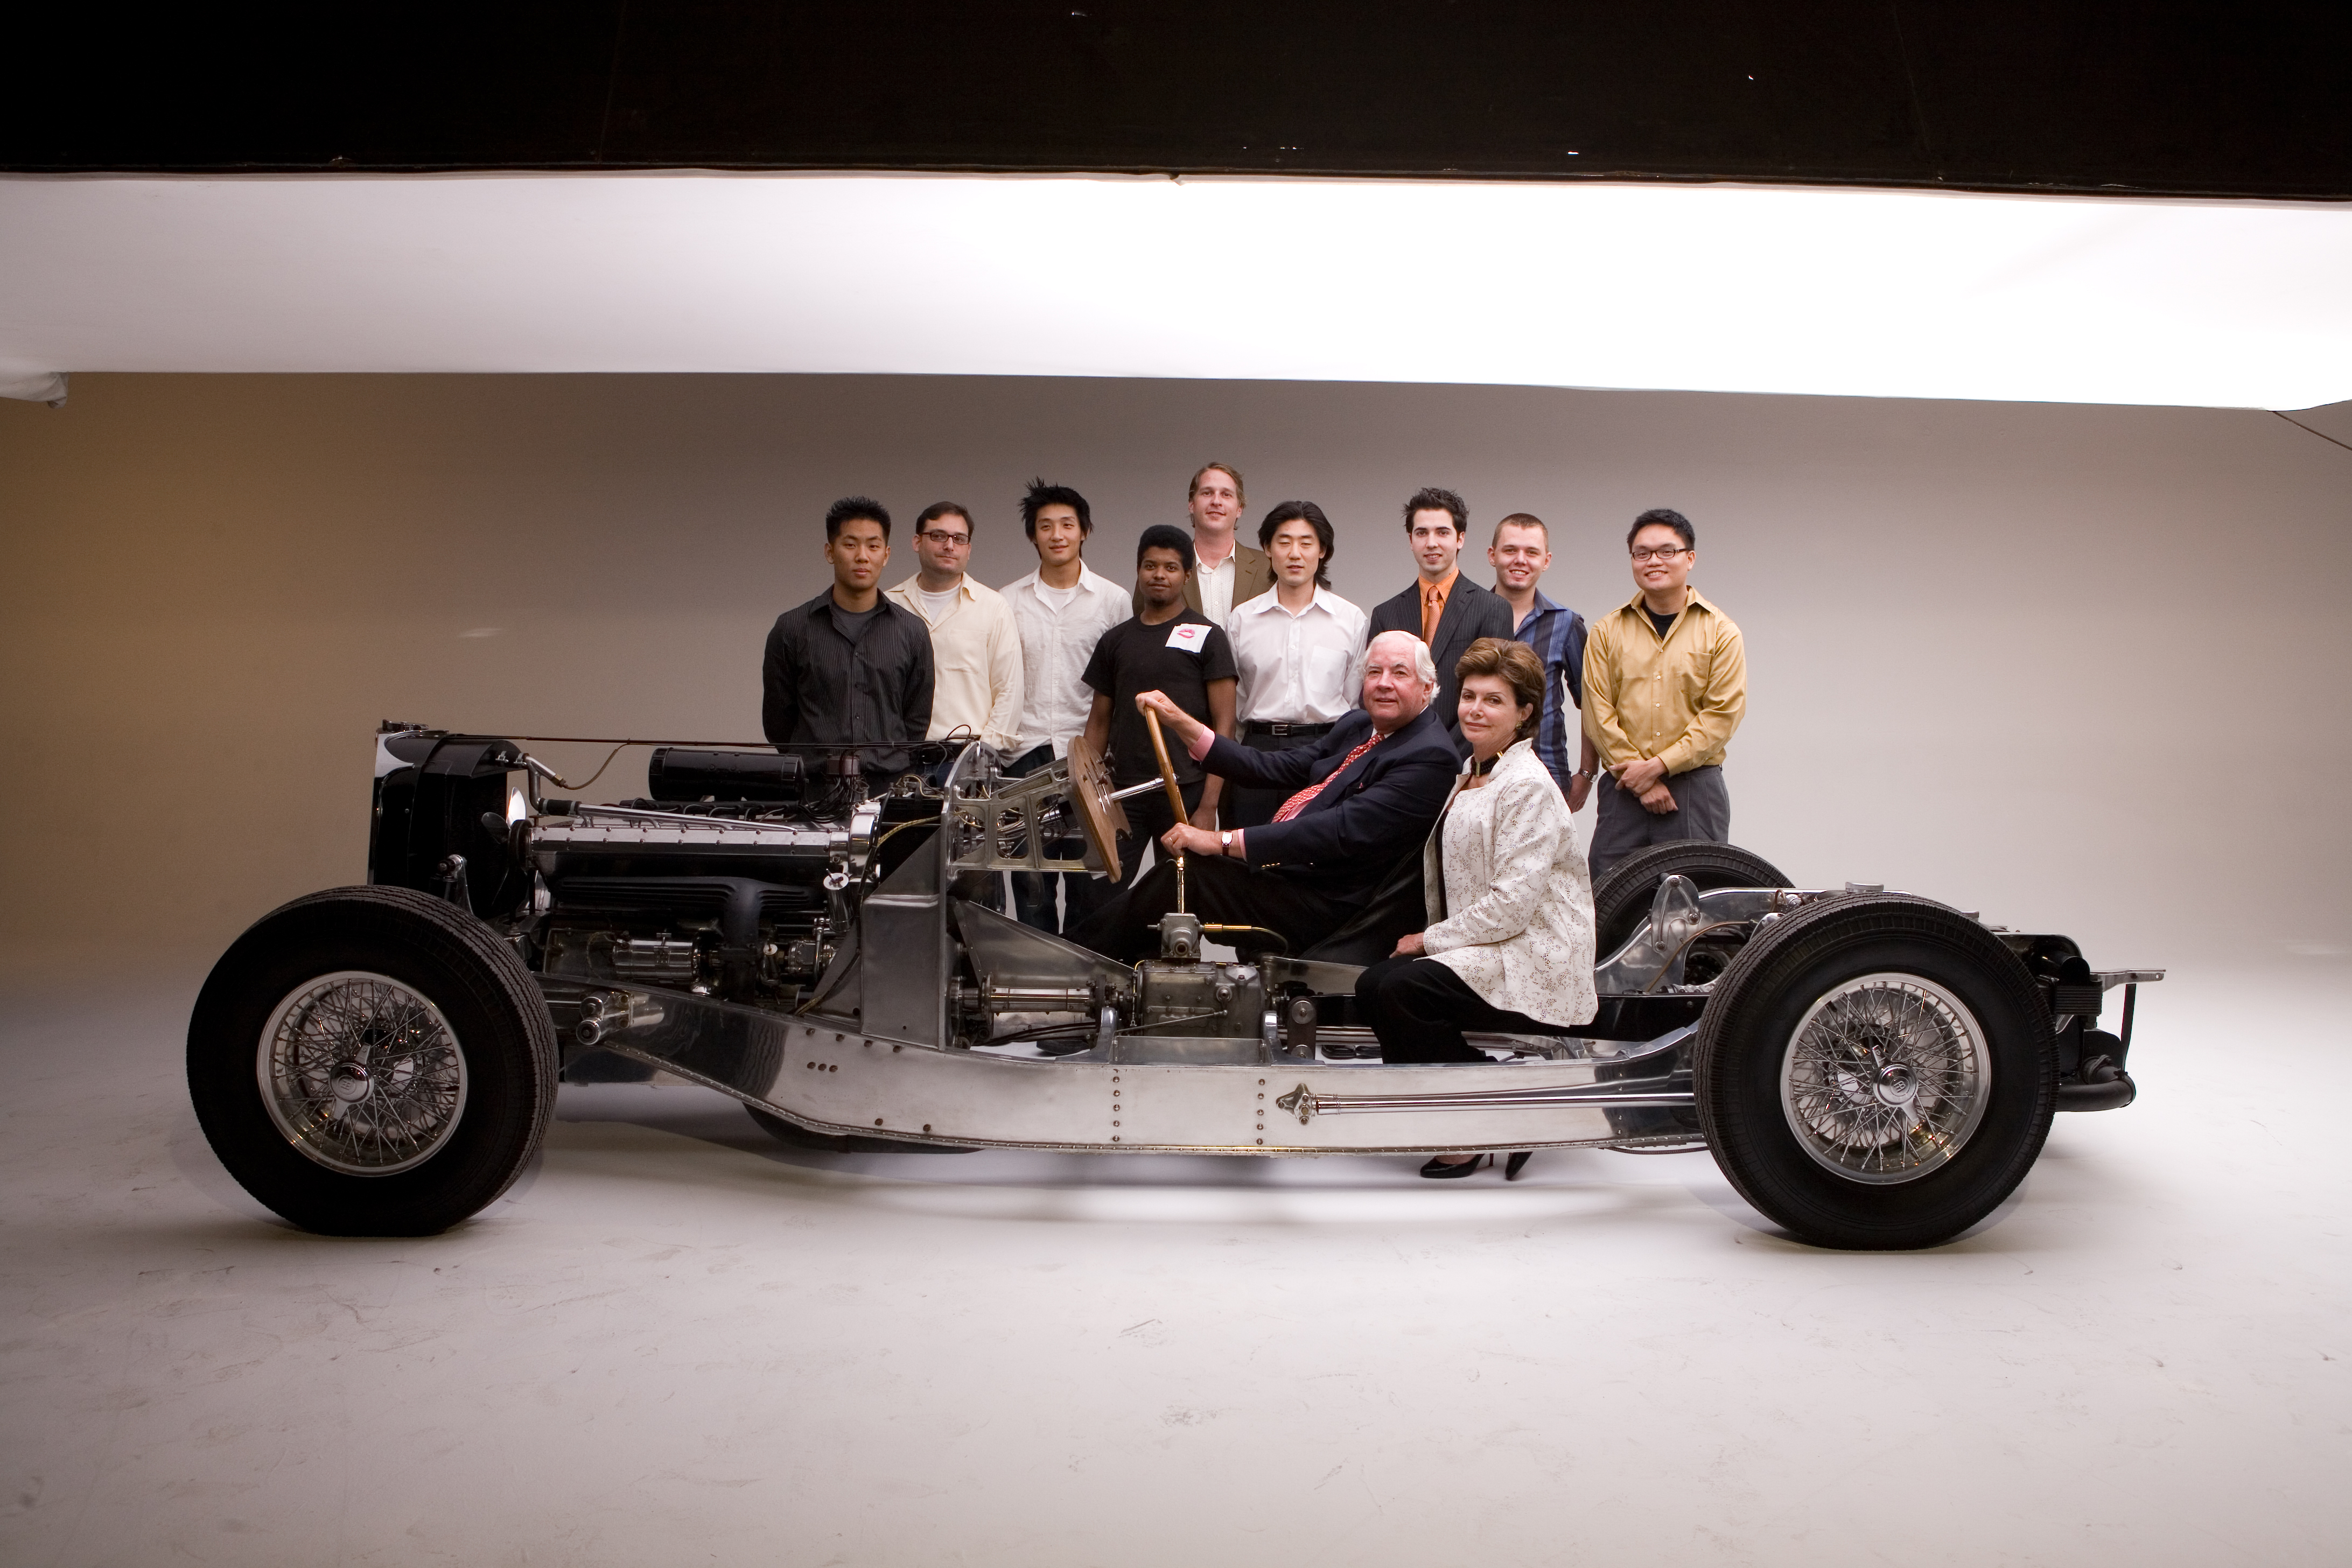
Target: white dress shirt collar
1270	602
1302	668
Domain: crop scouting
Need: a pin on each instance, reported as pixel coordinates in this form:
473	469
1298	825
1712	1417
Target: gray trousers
1703	812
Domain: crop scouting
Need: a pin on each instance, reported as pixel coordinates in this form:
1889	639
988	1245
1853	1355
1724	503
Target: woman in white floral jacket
1509	947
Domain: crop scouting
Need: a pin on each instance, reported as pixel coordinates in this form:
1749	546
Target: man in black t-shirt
1165	648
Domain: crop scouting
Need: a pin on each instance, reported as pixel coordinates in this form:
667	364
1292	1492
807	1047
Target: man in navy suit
1359	802
1443	608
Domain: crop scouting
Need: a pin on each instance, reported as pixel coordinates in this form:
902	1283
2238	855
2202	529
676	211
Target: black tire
472	1114
1620	899
1865	1174
792	1135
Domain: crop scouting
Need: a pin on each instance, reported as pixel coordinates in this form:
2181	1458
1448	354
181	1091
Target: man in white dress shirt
1300	649
975	646
1226	571
1060	610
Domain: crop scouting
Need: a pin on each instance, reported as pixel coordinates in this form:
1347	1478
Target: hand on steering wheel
1159	706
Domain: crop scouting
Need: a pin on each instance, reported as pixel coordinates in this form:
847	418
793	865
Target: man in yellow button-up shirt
1665	684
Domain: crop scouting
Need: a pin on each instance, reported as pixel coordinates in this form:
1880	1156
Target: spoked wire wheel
1886	1079
372	1061
361	1073
1876	1071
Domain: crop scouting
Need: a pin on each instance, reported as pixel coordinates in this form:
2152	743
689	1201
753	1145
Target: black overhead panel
2250	99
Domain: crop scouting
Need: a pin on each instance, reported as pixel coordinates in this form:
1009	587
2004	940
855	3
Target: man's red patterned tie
1299	802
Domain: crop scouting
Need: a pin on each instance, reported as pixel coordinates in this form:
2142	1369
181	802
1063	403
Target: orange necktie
1432	610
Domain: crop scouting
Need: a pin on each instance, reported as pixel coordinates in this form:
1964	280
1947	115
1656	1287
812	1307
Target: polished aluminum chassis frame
877	1057
828	1075
880	1059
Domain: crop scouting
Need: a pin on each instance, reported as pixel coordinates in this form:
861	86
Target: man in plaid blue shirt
1520	554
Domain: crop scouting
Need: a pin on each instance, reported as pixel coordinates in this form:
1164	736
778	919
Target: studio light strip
1728	288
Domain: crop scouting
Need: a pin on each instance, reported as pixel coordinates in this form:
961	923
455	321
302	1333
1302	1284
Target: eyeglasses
943	537
1663	553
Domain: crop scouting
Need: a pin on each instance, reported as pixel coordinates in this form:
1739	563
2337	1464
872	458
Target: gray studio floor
676	1343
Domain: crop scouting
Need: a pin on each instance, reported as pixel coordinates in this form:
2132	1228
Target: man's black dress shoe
1441	1171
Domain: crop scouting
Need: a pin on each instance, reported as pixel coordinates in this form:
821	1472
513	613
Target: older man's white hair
1423	664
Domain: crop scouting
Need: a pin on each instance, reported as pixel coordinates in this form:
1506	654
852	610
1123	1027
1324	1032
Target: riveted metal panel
828	1074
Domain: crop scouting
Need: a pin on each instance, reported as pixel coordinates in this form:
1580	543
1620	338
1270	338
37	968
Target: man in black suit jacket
1443	608
1363	798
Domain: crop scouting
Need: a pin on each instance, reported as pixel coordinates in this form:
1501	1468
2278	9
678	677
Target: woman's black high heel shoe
1441	1170
1515	1164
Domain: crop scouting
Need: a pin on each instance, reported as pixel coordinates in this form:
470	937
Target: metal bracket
1659	1091
604	1014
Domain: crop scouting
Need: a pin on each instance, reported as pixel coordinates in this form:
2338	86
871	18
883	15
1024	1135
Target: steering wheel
1175	796
1167	768
1100	817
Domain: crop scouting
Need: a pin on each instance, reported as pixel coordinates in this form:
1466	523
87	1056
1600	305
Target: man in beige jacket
1665	684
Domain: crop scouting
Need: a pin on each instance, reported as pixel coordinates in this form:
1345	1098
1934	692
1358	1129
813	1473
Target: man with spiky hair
849	668
1062	610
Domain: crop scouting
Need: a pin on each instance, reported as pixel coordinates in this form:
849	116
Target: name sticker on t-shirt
1193	636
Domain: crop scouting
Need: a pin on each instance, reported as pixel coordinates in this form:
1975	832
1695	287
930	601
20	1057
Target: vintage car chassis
1872	1069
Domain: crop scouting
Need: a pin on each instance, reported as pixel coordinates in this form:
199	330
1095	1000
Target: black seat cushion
1395	908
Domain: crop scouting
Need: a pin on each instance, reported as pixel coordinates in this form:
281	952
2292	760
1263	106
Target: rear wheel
1620	899
1876	1072
372	1061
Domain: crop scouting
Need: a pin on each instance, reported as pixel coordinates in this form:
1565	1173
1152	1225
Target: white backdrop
2079	668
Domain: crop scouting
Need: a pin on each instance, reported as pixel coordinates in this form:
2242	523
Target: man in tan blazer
1228	572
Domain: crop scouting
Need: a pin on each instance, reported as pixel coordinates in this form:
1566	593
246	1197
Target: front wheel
1876	1072
372	1061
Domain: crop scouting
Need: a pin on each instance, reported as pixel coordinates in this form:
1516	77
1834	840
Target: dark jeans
1703	812
1419	1007
1245	807
1032	891
1221	891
